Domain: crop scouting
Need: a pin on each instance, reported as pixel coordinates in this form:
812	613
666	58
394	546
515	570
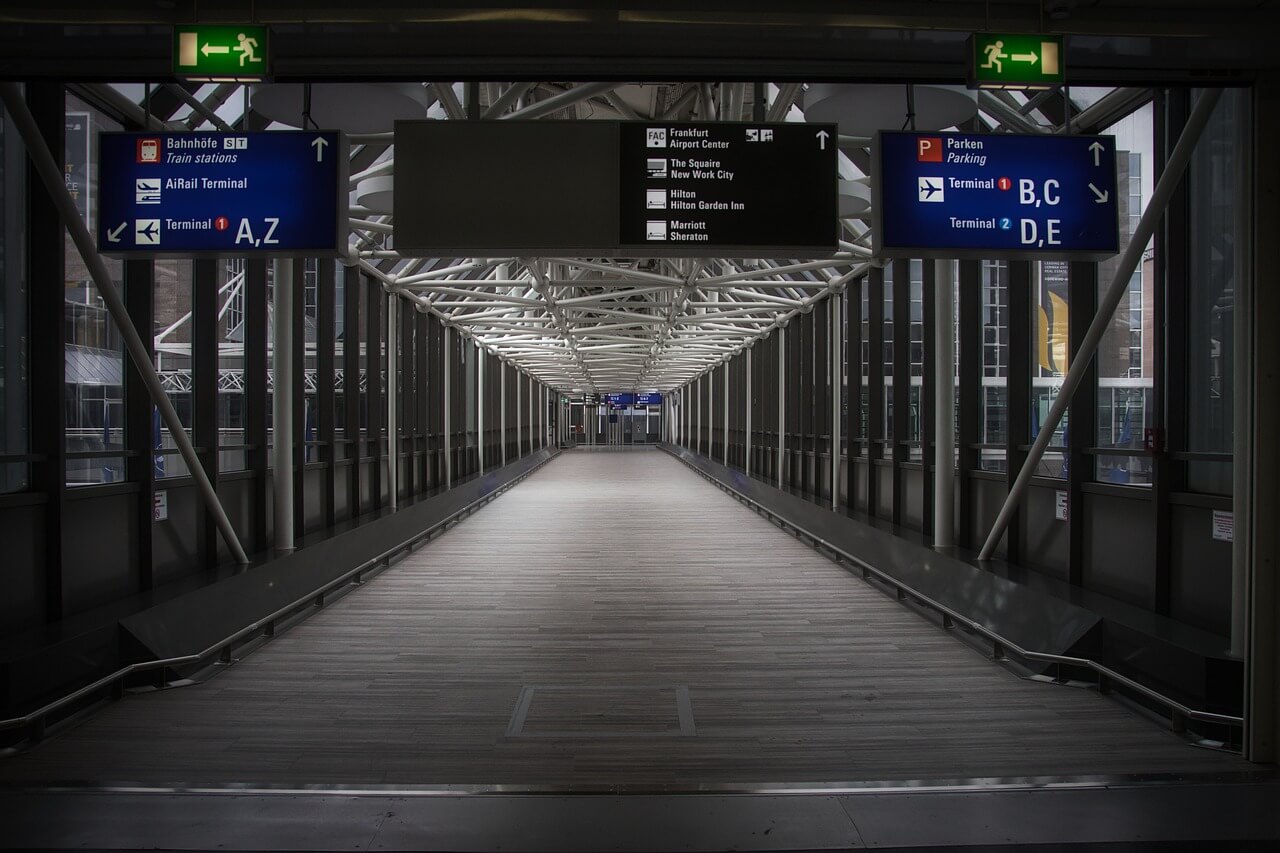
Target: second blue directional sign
954	195
275	193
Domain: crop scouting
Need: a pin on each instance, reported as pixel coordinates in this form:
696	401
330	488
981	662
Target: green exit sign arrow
1015	61
235	53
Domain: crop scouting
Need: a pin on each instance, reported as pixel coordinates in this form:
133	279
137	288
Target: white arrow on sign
113	234
1097	150
214	48
319	143
1099	196
822	140
1024	57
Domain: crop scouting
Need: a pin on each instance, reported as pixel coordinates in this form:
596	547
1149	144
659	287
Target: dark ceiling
1126	41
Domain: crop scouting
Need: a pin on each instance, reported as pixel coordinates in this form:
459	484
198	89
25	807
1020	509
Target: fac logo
929	149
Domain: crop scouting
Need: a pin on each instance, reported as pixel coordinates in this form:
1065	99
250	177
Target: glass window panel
171	304
1219	224
995	364
231	385
1125	360
1050	331
14	399
886	357
341	449
94	389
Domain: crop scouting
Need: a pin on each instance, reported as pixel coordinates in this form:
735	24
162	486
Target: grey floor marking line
522	711
844	807
684	711
684	707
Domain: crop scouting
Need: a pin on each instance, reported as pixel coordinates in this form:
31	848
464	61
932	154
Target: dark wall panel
860	474
1045	538
100	552
1120	556
912	482
342	481
176	553
986	498
236	494
884	490
22	532
1200	571
314	502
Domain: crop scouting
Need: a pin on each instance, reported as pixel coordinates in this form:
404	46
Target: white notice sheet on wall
1224	526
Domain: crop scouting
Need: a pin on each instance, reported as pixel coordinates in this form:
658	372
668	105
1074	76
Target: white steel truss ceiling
601	325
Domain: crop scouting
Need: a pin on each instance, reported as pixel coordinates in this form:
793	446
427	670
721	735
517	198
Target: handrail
37	716
1177	708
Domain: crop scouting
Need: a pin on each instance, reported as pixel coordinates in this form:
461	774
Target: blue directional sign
955	195
234	194
653	398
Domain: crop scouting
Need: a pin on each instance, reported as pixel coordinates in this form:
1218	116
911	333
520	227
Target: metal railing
1179	713
265	627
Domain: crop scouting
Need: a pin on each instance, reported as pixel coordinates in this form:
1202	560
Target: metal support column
282	403
519	420
502	410
47	351
448	407
352	283
853	371
204	393
836	313
480	369
876	409
697	416
782	403
970	391
899	432
298	384
746	400
726	413
1255	488
51	174
944	435
711	413
1165	186
373	349
325	383
928	415
141	436
393	399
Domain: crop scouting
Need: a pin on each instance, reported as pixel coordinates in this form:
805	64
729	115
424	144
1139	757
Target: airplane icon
146	232
930	189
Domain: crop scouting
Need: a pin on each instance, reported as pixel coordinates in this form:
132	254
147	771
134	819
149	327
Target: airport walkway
615	619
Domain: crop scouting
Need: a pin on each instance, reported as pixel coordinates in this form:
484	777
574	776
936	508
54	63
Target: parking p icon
929	149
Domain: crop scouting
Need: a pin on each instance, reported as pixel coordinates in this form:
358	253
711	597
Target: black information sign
687	189
631	189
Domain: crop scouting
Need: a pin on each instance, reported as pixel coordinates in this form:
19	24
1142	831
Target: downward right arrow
1099	196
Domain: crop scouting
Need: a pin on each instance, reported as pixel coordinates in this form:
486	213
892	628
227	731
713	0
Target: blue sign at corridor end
272	193
955	195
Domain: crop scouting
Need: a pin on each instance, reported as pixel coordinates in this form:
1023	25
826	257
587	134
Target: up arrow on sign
319	143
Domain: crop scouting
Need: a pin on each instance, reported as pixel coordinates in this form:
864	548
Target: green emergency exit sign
235	53
1013	61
